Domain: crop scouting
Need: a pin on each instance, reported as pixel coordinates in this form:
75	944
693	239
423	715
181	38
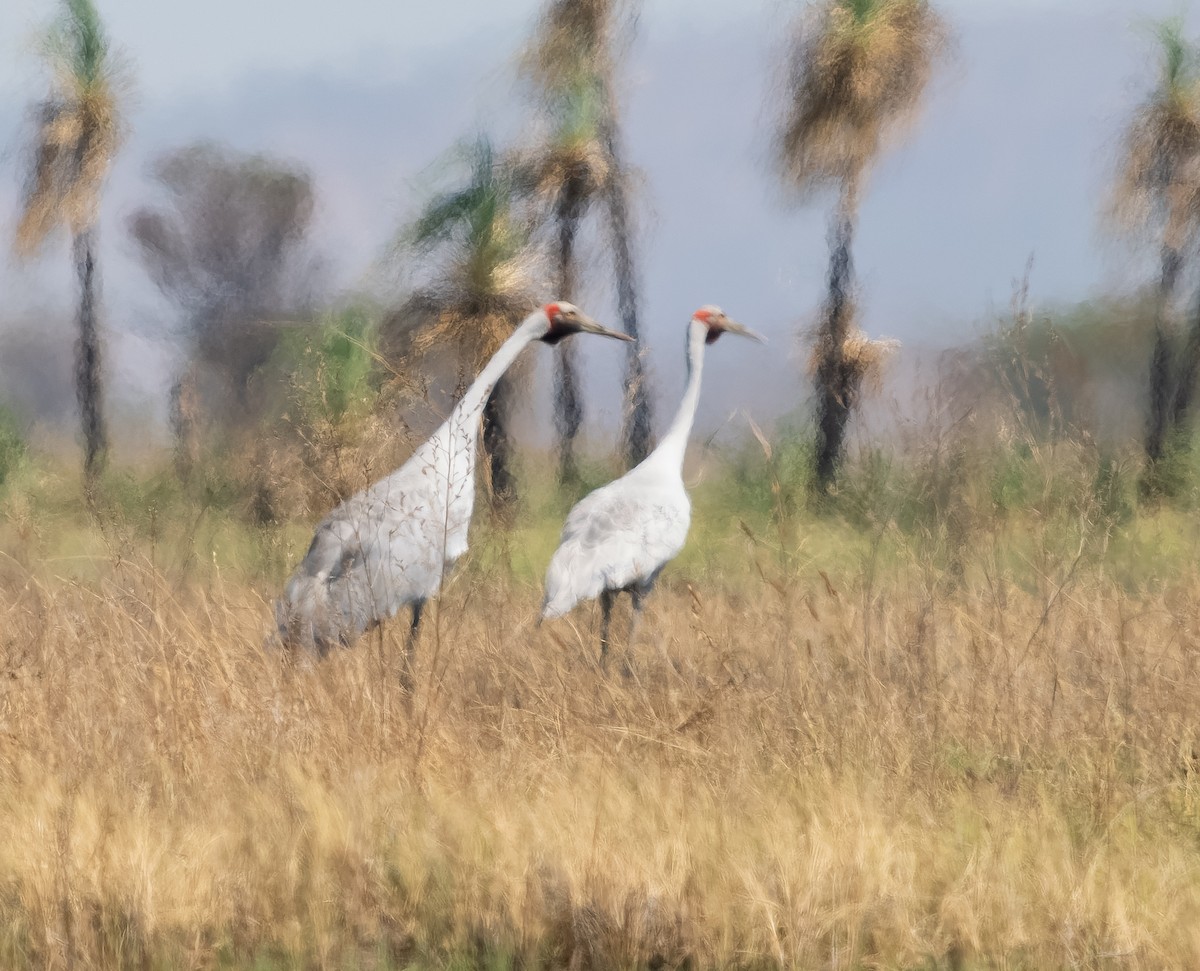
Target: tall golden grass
886	766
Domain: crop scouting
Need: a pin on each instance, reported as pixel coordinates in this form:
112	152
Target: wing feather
383	548
619	536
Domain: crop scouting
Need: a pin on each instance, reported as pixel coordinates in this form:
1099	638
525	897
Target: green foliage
1178	56
13	447
862	10
330	367
1156	187
476	218
579	109
1115	488
1057	374
480	264
772	476
858	71
1013	482
78	41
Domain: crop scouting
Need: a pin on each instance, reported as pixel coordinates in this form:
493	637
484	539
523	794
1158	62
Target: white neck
470	406
673	445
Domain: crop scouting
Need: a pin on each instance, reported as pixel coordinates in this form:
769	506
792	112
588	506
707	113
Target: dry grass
885	770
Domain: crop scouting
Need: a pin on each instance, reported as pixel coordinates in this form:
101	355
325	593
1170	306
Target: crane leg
410	648
635	620
606	604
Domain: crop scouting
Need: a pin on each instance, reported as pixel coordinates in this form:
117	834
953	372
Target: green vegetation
13	447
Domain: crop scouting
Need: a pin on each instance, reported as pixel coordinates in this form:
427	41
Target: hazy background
1011	158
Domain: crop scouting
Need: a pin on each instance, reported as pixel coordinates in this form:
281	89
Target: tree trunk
638	413
1189	370
834	380
88	363
1158	421
497	443
568	403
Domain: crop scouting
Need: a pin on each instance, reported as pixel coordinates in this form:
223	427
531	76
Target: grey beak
589	326
733	327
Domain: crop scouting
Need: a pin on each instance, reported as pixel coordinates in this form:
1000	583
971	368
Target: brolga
619	538
389	545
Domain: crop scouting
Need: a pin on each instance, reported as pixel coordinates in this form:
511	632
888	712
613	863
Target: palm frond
482	262
569	167
572	38
863	359
78	128
858	71
84	41
443	216
1157	187
1178	57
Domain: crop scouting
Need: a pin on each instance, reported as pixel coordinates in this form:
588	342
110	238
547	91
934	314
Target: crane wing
619	536
383	548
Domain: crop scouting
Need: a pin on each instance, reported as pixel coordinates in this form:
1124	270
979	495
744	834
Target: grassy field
879	738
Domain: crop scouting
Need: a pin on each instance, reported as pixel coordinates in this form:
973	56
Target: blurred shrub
330	370
1060	374
330	418
13	446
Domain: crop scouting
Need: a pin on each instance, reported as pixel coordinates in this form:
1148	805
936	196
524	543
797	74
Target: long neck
673	444
471	404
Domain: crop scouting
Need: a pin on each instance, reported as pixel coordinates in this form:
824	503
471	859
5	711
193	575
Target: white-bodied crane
620	537
389	545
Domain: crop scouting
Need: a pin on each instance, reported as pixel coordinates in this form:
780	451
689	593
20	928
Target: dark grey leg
636	619
410	652
637	594
606	604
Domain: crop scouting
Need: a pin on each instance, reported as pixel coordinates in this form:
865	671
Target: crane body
618	538
390	545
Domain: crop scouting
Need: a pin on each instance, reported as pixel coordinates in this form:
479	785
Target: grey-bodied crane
619	538
389	545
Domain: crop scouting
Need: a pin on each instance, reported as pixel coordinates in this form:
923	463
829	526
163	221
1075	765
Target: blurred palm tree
482	287
78	132
1158	191
567	175
858	70
570	65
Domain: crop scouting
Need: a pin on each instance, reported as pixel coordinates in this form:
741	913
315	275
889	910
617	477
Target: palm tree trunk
88	362
638	424
568	403
497	443
1189	370
1158	423
835	391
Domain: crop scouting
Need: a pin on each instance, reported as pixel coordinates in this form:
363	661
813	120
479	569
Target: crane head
714	319
564	319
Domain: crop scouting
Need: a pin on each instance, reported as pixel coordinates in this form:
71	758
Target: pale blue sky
180	47
1012	156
